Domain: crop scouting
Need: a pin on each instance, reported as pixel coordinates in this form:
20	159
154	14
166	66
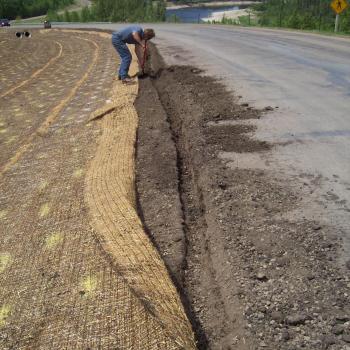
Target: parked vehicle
47	25
4	22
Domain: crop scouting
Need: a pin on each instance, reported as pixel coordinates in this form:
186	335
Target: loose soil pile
250	277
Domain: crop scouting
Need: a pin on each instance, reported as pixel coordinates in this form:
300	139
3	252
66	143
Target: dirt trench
250	278
173	178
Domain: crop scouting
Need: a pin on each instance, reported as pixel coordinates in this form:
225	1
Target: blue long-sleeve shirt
126	34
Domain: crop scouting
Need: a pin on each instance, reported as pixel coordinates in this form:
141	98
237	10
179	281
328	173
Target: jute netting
110	194
77	270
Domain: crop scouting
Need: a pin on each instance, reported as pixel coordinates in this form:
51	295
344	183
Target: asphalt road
308	77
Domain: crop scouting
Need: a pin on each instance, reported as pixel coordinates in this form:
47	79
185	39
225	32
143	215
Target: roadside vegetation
100	10
301	14
114	11
129	11
13	9
296	14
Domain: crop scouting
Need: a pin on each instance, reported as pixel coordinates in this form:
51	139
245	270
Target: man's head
149	34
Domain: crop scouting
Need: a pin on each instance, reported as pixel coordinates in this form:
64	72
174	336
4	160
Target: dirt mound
251	278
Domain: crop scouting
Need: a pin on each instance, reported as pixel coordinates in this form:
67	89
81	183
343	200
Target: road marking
42	129
36	73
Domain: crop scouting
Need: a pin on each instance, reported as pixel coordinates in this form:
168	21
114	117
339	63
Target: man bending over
130	35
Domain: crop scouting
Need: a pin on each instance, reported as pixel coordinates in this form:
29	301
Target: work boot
128	81
120	78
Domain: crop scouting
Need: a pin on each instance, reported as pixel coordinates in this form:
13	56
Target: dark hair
149	33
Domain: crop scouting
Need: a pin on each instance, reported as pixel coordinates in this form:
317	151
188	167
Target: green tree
129	10
67	16
75	17
29	8
301	14
52	16
85	14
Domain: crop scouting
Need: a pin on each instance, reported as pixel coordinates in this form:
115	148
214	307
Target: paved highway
308	77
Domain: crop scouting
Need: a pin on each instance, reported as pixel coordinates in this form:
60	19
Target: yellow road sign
339	5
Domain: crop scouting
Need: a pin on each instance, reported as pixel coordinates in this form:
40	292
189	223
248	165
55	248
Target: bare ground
251	277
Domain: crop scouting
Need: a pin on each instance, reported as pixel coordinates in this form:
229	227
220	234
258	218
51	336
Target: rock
261	276
268	108
277	316
327	341
346	338
310	277
296	319
260	316
222	185
347	264
342	318
316	227
282	261
285	335
338	329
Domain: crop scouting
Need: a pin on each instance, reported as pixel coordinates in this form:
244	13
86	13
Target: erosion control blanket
77	270
155	318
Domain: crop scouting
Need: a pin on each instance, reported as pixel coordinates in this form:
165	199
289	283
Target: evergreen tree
66	16
85	15
75	17
129	10
29	8
301	14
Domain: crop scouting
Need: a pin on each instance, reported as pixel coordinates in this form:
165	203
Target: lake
195	14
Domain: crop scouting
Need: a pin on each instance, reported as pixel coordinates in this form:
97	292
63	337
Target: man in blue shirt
130	35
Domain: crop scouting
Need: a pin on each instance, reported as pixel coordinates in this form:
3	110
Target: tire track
42	129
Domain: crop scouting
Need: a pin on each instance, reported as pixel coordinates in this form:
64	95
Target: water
195	14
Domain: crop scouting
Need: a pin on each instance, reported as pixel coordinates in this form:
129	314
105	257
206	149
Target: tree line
301	14
12	9
129	10
101	10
